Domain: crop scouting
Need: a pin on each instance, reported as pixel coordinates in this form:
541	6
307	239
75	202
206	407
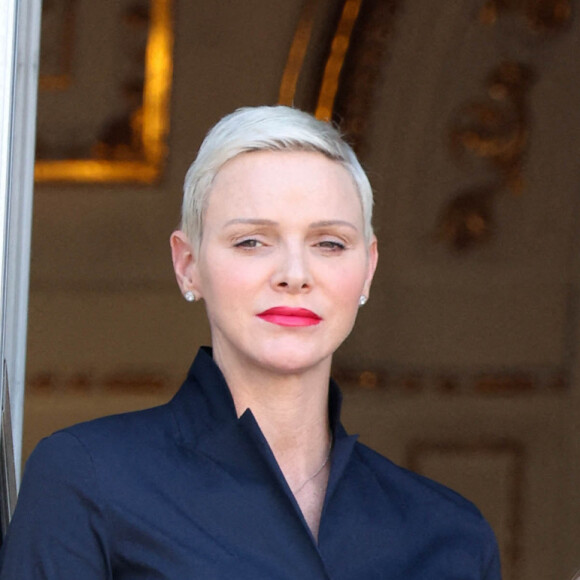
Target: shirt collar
208	423
205	402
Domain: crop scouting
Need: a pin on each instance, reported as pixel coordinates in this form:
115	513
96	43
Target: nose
293	272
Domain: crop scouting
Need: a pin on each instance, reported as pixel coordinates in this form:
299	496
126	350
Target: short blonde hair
264	128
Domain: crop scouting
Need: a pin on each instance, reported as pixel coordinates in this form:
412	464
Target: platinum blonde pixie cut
265	128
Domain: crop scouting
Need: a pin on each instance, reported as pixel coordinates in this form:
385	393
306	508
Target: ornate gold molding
297	54
333	66
496	130
399	382
335	62
416	382
340	85
140	156
81	382
541	16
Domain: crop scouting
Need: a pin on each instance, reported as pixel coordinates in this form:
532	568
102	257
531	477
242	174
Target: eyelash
248	244
332	245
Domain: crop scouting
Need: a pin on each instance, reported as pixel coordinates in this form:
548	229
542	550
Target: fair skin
282	231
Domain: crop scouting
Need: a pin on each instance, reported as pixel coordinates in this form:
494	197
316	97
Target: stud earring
362	300
189	296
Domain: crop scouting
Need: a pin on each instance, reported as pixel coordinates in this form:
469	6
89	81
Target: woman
247	472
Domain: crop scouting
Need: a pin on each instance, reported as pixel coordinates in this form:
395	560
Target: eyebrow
250	221
326	223
314	225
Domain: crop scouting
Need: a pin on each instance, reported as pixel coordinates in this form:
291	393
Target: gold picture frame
142	158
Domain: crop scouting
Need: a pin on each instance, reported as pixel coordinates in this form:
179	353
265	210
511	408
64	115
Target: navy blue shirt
187	490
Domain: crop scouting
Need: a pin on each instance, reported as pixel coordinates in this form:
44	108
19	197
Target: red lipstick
286	316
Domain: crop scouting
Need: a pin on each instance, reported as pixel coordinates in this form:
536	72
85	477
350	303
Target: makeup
286	316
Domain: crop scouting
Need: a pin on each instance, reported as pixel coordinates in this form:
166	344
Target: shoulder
75	482
427	509
112	442
413	522
416	495
144	425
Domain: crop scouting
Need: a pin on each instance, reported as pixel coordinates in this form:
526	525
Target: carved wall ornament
344	80
398	382
540	16
120	135
332	64
297	54
467	220
88	381
421	381
336	58
495	131
361	73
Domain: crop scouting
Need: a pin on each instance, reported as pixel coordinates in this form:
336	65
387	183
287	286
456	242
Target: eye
250	243
331	245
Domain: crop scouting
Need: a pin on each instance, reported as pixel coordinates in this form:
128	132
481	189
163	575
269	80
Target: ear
373	257
184	262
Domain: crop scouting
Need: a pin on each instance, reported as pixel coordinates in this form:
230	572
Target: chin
294	359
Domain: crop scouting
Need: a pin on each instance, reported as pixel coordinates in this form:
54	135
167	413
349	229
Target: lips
286	316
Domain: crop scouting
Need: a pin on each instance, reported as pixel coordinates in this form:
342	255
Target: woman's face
282	261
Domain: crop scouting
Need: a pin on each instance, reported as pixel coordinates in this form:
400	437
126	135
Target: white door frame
19	59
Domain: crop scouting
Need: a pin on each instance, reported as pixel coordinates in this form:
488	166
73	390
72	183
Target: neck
292	411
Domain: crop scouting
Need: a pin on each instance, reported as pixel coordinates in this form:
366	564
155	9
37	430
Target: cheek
347	283
230	282
242	274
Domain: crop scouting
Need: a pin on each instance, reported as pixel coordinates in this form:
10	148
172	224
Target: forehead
273	178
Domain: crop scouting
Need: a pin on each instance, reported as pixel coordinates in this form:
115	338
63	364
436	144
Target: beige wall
106	316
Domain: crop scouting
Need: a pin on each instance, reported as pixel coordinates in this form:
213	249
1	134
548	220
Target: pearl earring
362	300
189	296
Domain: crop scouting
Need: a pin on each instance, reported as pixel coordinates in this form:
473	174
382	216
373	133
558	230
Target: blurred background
464	364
